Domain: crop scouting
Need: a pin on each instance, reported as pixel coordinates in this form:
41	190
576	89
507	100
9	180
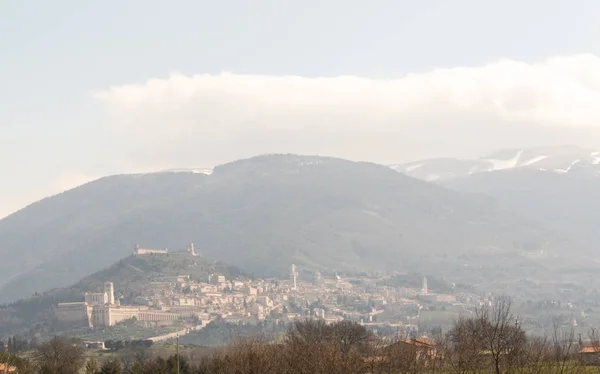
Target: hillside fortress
138	251
144	251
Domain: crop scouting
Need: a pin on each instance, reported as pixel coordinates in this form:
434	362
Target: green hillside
35	314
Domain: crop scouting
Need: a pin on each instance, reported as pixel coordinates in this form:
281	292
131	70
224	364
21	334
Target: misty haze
300	187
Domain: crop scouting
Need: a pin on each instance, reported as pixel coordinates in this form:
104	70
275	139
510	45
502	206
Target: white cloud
203	119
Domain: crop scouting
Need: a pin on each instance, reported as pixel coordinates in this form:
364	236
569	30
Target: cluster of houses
367	300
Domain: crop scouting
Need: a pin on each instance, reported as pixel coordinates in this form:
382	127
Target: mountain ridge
566	201
261	214
558	159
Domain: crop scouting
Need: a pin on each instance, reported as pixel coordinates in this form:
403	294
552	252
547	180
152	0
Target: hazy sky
97	87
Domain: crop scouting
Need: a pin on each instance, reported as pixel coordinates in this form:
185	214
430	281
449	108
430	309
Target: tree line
489	341
117	345
15	344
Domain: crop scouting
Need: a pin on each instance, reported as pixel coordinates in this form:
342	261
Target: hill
260	214
569	202
35	314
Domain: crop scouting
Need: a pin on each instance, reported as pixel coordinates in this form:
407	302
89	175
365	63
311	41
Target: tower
191	249
317	277
293	276
109	289
424	290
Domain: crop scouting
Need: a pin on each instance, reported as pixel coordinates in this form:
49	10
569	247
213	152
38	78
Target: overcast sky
98	87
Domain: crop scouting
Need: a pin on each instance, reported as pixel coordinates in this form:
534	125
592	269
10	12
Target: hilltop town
162	295
194	291
190	302
156	293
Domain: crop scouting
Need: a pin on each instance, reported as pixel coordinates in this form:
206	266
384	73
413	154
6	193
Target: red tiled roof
420	342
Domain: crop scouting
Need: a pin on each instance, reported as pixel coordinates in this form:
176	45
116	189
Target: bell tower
109	289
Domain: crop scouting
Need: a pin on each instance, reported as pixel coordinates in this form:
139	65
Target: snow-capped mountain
205	171
560	159
564	159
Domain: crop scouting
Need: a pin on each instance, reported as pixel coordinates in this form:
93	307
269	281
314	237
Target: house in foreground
590	355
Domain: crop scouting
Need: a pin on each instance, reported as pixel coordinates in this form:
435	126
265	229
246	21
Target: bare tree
501	335
374	355
349	335
462	346
535	358
310	331
92	366
564	346
23	365
491	339
111	367
58	357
